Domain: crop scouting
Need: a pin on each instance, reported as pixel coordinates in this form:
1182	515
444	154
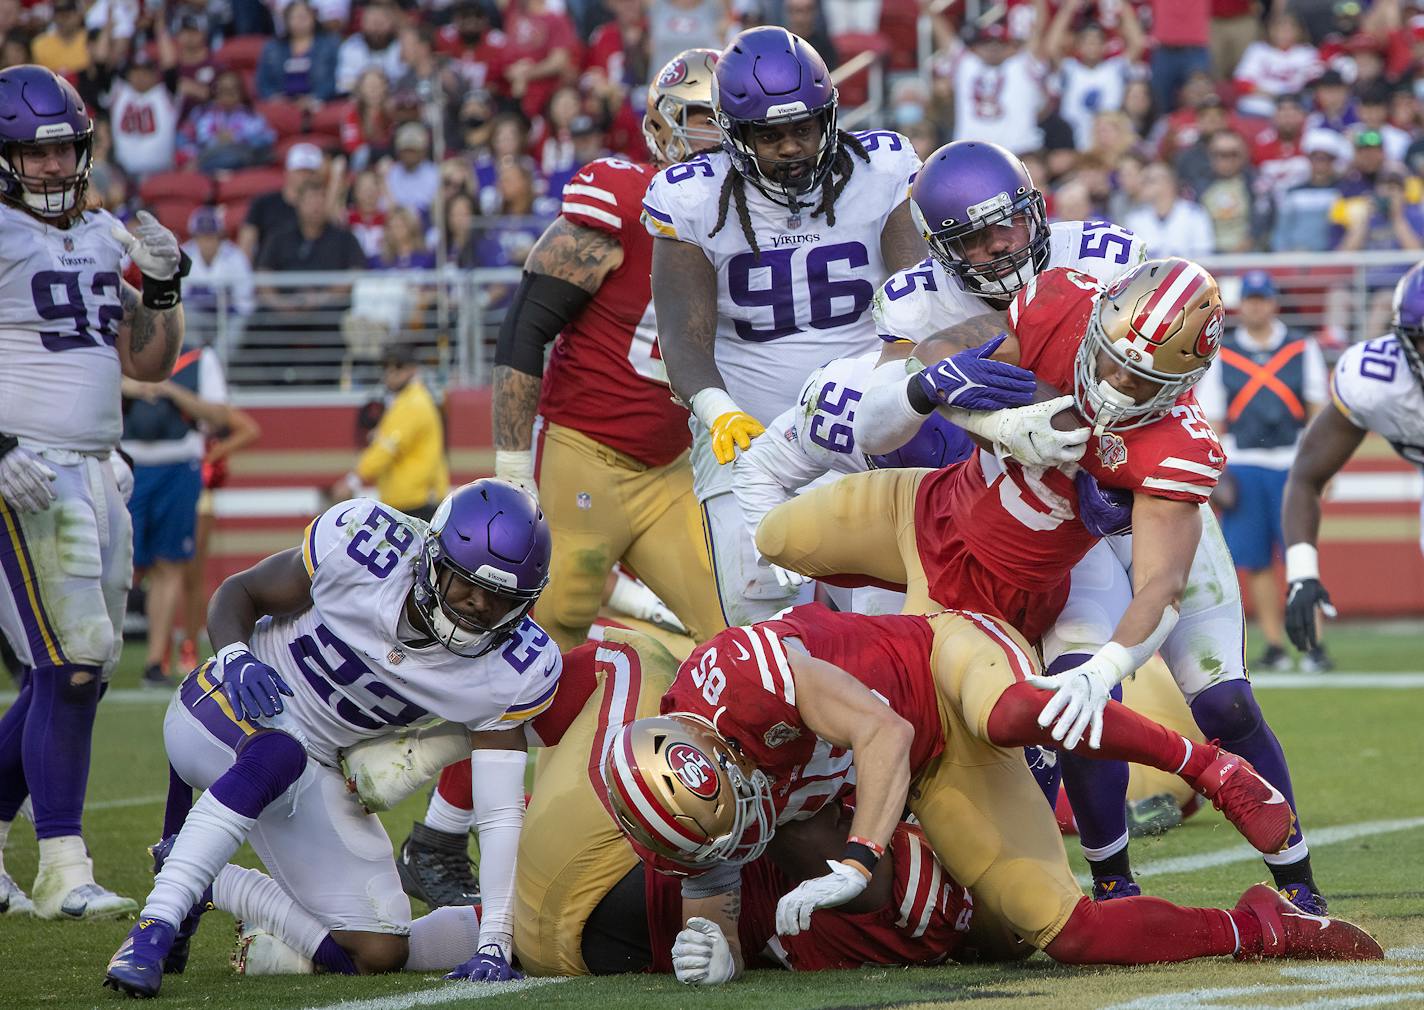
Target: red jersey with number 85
1021	526
605	376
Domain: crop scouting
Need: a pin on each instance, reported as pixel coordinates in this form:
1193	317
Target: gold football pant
604	506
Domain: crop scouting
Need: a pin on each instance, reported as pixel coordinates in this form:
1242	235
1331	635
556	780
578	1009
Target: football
1064	420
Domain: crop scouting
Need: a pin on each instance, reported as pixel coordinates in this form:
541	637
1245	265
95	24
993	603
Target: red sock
1145	930
1127	736
455	786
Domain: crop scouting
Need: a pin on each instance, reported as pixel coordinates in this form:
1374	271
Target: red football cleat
1288	932
1253	805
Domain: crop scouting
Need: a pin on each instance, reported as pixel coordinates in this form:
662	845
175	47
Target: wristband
858	853
223	655
1302	562
1120	658
160	295
879	850
917	396
711	403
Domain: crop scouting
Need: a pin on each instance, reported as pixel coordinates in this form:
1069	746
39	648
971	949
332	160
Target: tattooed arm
901	244
685	297
149	339
970	333
577	257
723	910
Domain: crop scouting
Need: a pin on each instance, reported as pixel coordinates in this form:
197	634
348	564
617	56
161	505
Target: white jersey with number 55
352	677
922	300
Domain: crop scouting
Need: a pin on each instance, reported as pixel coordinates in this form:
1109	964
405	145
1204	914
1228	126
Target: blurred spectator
1181	32
1334	109
270	212
403	244
309	242
412	179
1386	217
107	180
1072	202
1140	107
675	25
1259	394
64	46
551	139
226	134
1112	136
426	71
1177	130
366	133
1126	195
507	243
1303	211
1235	24
479	52
376	45
121	17
1229	197
1193	164
618	51
1366	165
366	217
144	118
1276	154
1091	81
301	65
998	92
924	136
14	49
806	19
1168	224
509	138
460	234
188	53
543	52
1373	110
218	265
1283	64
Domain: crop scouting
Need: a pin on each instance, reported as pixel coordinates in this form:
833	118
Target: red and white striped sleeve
605	196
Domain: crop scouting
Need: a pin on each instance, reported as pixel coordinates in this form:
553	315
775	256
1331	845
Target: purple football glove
971	380
252	687
491	967
1105	511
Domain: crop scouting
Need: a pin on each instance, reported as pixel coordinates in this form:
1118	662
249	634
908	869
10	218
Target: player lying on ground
374	623
944	702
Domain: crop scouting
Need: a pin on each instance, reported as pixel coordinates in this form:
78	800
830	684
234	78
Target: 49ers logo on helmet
674	73
695	770
1209	340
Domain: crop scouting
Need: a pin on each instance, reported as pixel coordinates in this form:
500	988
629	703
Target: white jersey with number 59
352	677
922	300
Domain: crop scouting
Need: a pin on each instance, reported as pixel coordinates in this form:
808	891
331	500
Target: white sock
444	939
1294	854
63	865
1112	848
4	837
442	815
210	836
258	900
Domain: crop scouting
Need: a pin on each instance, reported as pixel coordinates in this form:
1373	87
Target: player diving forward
984	225
376	622
766	256
70	327
1376	386
945	702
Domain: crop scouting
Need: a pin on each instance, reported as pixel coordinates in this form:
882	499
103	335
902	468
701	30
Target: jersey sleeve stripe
1177	463
783	668
309	548
665	230
1162	484
936	881
574	189
596	213
767	680
1339	400
656	214
1021	299
532	708
1018	659
907	901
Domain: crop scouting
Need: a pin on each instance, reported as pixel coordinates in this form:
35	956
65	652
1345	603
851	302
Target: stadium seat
173	214
286	117
249	182
240	52
855	89
326	141
331	117
899	25
192	186
233	215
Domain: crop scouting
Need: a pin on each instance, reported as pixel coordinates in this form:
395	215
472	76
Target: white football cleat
259	952
13	899
69	892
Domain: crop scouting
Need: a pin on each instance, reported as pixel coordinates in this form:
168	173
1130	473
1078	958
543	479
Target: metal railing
325	332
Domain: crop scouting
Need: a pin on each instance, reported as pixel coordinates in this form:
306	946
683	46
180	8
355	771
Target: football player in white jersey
69	329
1376	386
984	222
375	623
765	260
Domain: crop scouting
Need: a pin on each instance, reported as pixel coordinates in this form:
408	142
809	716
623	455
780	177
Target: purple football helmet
487	550
937	444
1409	317
967	188
770	77
39	108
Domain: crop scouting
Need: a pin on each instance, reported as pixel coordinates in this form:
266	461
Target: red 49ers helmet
681	791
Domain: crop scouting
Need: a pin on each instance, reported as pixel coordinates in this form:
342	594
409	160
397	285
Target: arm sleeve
542	306
724	878
886	419
497	780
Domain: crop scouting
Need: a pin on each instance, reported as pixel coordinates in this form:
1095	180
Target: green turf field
1356	755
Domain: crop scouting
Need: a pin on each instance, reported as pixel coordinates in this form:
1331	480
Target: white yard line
132	801
450	992
1243	853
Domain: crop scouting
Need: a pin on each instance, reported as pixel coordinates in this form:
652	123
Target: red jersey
482	63
1016	528
605	376
741	681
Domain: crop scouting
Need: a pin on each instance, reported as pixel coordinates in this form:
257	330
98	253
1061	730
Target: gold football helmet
1160	322
679	790
683	85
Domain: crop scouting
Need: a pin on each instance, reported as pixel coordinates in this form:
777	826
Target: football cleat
177	958
259	952
56	896
1275	660
1253	805
1288	932
1155	815
434	866
1317	660
136	969
13	899
1305	899
1110	887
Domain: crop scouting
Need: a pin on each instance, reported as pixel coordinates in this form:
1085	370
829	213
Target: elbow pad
542	306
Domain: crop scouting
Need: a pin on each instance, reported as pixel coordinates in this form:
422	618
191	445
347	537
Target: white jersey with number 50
60	308
1375	388
922	300
353	679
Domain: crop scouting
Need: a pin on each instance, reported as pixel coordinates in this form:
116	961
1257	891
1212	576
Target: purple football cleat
136	969
1110	887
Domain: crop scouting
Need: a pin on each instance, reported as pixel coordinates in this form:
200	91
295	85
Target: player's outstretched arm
564	270
708	949
1327	445
901	244
971	332
274	586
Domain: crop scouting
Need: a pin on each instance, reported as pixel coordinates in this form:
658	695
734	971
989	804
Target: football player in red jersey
755	717
609	461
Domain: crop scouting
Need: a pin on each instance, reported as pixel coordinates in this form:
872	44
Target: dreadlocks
734	187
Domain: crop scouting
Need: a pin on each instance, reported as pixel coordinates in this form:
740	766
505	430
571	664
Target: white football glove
700	954
516	467
1027	433
25	481
1081	694
842	884
152	247
787	579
